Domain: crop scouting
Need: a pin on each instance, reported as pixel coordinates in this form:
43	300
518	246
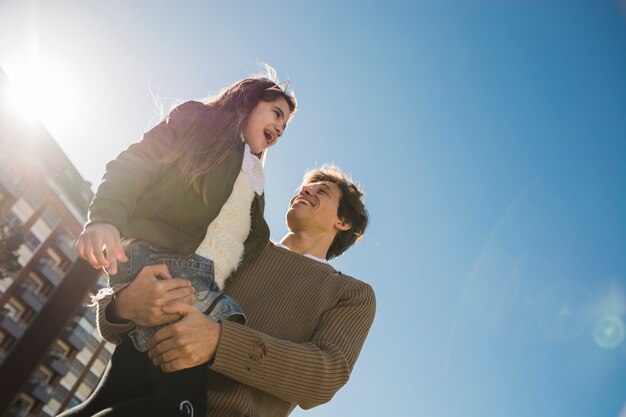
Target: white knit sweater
223	243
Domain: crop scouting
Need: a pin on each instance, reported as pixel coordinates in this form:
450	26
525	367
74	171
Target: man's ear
343	225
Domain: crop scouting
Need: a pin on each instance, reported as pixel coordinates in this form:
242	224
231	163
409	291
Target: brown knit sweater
306	325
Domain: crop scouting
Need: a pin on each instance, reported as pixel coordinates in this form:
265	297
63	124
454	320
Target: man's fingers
159	271
171	357
168	318
176	365
174	283
160	348
179	308
159	337
187	299
180	294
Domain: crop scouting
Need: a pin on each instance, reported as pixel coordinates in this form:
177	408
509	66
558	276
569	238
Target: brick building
51	356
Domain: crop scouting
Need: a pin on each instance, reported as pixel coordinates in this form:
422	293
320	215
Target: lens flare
43	92
608	333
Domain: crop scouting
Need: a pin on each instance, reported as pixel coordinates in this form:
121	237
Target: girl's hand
94	240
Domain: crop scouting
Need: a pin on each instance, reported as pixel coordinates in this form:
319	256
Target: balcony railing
50	270
57	362
40	390
66	247
15	327
30	294
88	313
74	338
20	410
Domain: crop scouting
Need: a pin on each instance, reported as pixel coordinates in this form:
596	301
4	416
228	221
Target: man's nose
305	189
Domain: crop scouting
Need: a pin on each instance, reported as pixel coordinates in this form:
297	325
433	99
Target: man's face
314	209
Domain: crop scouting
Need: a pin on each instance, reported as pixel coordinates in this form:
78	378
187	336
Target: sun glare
43	93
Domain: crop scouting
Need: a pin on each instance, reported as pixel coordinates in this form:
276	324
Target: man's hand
144	299
190	342
92	242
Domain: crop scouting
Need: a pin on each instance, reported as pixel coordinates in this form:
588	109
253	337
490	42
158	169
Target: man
306	321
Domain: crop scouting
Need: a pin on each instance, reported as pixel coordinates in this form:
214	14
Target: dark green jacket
146	199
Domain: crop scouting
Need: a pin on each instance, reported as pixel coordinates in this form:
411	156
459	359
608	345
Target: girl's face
266	123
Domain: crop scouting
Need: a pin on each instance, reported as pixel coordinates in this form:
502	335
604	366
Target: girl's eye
277	114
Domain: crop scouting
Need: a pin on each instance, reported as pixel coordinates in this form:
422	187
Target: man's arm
140	302
308	374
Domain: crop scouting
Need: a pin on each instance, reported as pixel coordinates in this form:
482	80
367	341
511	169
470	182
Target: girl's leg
178	394
127	376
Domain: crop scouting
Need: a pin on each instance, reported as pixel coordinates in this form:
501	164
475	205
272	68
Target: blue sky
490	137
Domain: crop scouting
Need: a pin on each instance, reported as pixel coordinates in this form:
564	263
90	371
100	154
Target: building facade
51	355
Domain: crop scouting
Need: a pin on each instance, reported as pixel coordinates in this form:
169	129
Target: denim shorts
198	270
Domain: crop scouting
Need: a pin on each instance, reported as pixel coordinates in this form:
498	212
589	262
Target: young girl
190	196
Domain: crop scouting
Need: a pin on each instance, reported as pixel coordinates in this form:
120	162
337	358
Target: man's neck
305	244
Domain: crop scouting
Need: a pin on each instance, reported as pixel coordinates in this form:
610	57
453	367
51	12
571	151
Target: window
73	402
91	379
33	198
41	376
12	219
86	195
86	325
35	283
91	342
60	393
50	218
61	346
13	309
9	170
105	356
76	367
21	406
31	241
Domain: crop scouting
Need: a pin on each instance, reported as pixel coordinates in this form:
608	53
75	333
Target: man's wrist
115	313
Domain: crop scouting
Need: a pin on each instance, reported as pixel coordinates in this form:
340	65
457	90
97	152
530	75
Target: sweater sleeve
108	330
308	374
137	168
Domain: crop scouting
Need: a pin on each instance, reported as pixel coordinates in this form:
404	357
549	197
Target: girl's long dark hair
208	134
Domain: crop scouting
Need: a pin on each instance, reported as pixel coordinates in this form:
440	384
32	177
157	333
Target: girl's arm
125	180
137	168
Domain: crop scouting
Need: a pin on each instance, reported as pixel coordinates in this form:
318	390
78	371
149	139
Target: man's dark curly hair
351	206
